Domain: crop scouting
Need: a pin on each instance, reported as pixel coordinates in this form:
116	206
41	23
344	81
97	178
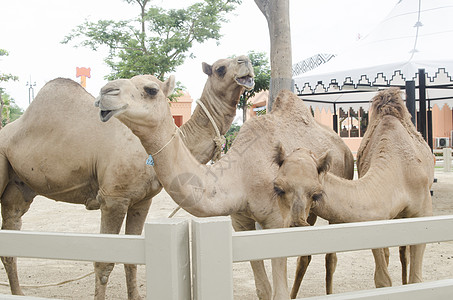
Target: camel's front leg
381	273
113	210
404	258
416	263
331	265
262	284
280	278
302	265
135	220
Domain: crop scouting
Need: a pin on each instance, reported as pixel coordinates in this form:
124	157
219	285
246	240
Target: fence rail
165	250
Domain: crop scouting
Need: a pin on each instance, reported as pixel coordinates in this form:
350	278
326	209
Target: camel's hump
289	105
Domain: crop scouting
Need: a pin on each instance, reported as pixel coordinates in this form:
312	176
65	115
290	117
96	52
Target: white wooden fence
445	159
165	248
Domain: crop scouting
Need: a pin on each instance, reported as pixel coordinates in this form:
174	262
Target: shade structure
417	34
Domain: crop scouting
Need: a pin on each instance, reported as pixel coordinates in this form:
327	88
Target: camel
240	183
60	150
396	171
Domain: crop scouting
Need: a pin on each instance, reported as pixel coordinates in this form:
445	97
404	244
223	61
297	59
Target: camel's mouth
246	81
106	115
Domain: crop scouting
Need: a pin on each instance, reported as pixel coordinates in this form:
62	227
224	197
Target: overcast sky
31	31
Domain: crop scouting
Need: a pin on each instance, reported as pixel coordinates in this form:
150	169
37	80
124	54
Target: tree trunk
277	16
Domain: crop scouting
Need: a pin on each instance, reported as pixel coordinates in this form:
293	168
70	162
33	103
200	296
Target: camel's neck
199	131
199	189
359	200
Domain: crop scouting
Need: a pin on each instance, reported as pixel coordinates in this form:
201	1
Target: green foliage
10	110
6	77
230	136
157	41
262	71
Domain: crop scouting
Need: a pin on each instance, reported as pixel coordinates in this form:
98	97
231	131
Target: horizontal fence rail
303	241
73	246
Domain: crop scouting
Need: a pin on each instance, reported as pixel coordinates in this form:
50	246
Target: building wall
182	109
259	100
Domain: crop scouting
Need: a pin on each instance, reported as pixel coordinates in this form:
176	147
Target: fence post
212	258
167	259
447	159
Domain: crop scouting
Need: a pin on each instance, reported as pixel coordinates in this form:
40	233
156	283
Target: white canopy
417	34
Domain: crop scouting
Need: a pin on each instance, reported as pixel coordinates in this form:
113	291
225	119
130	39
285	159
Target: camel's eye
316	196
278	191
221	71
151	91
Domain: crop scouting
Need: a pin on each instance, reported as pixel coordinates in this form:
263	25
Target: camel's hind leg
15	204
113	211
135	220
262	284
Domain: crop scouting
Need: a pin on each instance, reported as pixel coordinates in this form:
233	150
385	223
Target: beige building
259	103
182	109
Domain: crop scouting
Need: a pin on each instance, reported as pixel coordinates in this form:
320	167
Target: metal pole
410	99
430	126
335	118
422	101
31	92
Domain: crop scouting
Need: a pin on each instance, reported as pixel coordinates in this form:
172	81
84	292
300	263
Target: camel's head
232	74
299	183
141	99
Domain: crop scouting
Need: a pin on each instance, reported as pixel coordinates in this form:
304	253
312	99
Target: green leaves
6	77
157	41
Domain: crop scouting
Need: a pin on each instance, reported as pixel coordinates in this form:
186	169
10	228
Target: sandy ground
354	269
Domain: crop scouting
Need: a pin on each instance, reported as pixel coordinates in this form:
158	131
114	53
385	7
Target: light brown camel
396	170
240	183
60	150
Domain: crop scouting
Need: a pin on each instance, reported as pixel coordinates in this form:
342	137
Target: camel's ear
324	162
169	86
279	154
207	69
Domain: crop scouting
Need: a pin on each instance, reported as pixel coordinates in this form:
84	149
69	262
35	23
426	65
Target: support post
429	121
335	118
421	123
167	259
447	159
410	99
212	259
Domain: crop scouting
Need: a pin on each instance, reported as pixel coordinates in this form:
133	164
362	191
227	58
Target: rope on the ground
50	284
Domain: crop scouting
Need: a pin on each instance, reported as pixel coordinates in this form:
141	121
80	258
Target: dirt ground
354	269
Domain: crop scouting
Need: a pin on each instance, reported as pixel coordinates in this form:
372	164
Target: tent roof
417	34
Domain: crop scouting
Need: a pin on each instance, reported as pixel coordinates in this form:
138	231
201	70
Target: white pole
167	259
212	259
447	159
